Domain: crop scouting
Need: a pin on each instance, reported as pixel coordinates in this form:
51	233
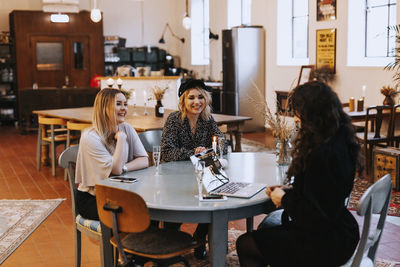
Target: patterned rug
360	185
233	261
19	218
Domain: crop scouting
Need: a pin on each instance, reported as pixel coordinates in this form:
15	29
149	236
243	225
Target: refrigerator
243	63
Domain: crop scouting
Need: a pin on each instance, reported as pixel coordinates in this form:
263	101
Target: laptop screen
210	181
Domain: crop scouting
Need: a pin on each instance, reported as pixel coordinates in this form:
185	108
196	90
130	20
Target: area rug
360	185
233	261
253	146
19	218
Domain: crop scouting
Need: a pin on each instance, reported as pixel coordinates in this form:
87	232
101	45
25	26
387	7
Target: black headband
191	84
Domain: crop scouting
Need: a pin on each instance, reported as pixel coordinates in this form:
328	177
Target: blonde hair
104	119
206	113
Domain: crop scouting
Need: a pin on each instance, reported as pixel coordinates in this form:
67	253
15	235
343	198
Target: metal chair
375	200
150	139
88	227
126	212
376	116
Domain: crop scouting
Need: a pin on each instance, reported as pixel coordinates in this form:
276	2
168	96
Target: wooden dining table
141	122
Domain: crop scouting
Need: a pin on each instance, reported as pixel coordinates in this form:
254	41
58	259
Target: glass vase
283	150
159	109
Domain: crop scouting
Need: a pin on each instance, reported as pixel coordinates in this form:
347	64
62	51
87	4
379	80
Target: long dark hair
321	115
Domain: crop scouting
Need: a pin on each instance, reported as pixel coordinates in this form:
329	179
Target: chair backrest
396	117
376	116
133	216
150	139
77	126
51	121
67	160
375	200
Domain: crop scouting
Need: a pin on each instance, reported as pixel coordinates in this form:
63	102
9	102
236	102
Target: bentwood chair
376	117
88	227
49	134
126	212
375	200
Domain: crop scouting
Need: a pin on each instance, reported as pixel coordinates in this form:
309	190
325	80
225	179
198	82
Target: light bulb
95	15
186	22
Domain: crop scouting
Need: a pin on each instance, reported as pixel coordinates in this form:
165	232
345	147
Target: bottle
159	109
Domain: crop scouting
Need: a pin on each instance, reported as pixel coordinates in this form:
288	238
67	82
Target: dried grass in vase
279	123
159	92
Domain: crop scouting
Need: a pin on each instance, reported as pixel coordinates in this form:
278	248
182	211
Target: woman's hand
199	149
120	136
276	195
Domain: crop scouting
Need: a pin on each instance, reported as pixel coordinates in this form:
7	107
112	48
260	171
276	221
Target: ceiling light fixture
187	21
162	41
95	13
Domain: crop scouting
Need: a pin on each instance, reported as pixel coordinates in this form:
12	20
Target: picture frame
305	74
326	49
326	10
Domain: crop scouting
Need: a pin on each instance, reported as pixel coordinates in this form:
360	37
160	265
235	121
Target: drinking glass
134	102
221	145
199	171
156	158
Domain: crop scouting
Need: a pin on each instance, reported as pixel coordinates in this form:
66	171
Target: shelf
6	82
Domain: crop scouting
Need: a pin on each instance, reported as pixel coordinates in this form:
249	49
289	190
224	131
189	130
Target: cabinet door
79	67
49	60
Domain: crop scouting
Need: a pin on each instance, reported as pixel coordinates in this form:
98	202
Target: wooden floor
52	242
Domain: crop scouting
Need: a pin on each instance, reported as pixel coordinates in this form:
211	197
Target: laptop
219	184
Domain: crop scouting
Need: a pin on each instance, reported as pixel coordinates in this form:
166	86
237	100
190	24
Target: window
292	32
239	12
370	43
200	43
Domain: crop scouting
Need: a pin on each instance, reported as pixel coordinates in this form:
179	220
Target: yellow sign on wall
326	49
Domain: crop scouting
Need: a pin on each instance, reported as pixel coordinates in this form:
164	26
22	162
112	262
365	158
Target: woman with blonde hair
187	132
110	147
190	130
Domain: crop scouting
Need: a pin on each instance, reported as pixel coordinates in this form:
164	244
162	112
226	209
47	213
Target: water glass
156	158
221	145
199	171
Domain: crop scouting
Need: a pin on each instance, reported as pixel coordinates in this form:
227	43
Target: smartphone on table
123	179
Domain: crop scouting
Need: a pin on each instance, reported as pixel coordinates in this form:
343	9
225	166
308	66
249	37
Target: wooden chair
396	132
376	116
72	128
375	200
52	137
88	227
126	212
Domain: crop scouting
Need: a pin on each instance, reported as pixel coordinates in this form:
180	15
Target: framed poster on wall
326	10
326	49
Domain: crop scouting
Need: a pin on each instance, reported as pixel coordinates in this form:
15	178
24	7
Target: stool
52	137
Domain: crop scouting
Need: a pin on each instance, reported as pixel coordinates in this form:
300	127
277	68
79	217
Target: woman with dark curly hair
317	229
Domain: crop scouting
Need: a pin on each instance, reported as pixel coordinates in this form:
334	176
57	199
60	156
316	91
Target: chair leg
53	157
39	148
78	247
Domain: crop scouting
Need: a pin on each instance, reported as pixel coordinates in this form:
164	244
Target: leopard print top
178	142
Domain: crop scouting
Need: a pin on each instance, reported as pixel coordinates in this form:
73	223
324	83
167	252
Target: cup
221	145
360	104
199	172
351	104
156	158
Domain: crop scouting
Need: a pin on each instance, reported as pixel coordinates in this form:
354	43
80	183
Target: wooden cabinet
8	98
51	98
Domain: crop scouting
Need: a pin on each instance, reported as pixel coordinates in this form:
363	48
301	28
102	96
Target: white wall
124	18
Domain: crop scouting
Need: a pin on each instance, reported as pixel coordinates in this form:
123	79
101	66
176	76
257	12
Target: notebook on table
219	184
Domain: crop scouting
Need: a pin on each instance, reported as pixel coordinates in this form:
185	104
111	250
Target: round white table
172	197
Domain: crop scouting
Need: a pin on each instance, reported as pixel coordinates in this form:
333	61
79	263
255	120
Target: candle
363	89
214	144
110	82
